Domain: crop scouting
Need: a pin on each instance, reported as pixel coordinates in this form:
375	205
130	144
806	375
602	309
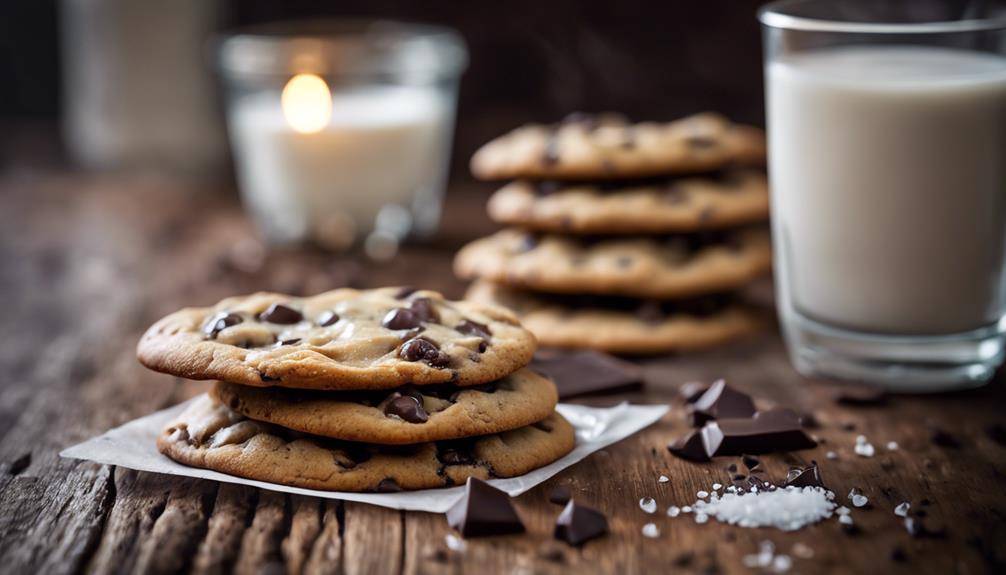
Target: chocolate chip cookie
406	415
342	339
605	147
210	435
623	325
634	207
646	267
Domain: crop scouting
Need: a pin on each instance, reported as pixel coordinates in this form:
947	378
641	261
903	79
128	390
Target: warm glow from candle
307	103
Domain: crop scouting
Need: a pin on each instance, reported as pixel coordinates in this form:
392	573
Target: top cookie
603	147
635	207
342	339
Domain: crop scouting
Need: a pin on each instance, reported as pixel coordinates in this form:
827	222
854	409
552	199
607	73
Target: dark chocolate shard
721	401
750	461
692	391
281	314
582	372
220	322
388	485
327	318
809	476
578	524
408	408
560	495
484	510
690	447
768	431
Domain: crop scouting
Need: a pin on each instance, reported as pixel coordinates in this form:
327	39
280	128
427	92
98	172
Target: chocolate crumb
560	495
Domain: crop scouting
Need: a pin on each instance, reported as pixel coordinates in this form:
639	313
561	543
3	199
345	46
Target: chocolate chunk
424	309
456	454
732	468
401	318
388	485
560	495
220	322
289	341
690	447
281	314
422	349
582	372
484	510
768	431
805	477
578	524
327	318
750	462
405	291
692	391
473	328
943	438
854	394
721	401
408	408
808	421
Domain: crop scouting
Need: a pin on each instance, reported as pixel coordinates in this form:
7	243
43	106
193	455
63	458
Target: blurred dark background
530	59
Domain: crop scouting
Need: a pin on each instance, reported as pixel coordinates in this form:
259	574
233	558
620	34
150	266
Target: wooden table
88	262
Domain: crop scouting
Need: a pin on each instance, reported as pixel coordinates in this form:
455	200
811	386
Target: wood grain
87	262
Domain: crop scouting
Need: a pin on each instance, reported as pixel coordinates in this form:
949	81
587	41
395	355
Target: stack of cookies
626	238
379	390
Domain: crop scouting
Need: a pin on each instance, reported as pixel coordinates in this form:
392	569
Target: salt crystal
860	439
454	543
686	509
673	511
650	530
786	509
902	509
845	519
864	449
843	510
831	455
647	504
765	553
892	445
701	518
663	479
717	486
702	494
781	563
859	500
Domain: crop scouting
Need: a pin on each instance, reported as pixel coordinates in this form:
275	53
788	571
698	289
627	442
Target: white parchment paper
133	446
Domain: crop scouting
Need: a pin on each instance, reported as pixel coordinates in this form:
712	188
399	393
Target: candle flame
307	103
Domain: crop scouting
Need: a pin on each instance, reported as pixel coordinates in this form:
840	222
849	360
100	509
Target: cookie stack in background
625	238
378	390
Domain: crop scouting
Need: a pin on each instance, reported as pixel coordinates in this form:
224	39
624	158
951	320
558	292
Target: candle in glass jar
309	159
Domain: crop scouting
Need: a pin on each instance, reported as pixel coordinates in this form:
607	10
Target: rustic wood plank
373	539
179	528
305	526
260	546
232	512
326	553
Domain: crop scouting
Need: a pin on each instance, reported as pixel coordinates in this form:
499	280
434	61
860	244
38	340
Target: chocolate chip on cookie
327	318
401	318
220	322
288	341
281	314
406	407
424	309
422	349
474	328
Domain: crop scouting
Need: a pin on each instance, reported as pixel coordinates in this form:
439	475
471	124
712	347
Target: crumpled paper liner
133	446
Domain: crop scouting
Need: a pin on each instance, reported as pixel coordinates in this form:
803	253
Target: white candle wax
382	145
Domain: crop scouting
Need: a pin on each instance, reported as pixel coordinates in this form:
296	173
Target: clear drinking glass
887	163
342	130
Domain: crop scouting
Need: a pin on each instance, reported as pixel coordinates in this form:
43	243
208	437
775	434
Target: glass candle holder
341	131
887	163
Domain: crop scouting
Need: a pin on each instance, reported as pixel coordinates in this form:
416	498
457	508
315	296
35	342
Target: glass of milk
341	131
887	161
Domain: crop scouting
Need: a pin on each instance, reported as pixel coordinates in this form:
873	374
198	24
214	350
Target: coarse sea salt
647	504
788	508
650	530
673	511
902	509
663	479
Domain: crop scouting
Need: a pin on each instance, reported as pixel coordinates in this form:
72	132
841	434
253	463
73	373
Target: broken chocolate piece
422	349
388	485
327	318
560	495
484	510
766	432
582	372
721	401
408	408
805	477
220	322
578	524
750	461
692	391
401	318
690	447
281	314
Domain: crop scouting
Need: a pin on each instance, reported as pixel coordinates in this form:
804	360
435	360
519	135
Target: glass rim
773	15
346	46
